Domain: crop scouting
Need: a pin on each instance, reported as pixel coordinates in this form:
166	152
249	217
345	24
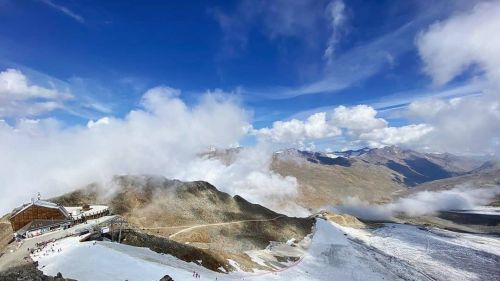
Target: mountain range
196	222
376	175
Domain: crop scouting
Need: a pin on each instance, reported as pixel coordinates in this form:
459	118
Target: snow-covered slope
392	252
440	254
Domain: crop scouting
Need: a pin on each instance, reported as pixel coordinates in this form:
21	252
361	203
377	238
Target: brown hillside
223	225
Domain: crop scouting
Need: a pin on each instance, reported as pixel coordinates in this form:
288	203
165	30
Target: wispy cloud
274	19
388	104
367	58
354	65
64	10
403	99
337	16
19	97
28	93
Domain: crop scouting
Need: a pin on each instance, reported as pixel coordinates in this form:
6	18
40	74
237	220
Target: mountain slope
195	213
475	179
322	184
6	232
416	167
374	175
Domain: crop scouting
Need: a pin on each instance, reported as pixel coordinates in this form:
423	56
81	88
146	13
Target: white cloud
355	64
64	10
296	131
14	83
20	98
360	122
336	14
448	49
404	135
422	203
164	137
102	121
363	127
427	109
357	119
403	99
461	125
275	19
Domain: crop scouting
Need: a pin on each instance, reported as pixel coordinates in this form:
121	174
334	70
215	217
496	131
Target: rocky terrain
29	272
204	221
328	184
474	179
378	175
5	232
375	175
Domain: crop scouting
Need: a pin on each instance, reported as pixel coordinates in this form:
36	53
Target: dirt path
191	227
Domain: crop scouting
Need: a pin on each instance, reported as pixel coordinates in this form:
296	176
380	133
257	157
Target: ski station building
42	216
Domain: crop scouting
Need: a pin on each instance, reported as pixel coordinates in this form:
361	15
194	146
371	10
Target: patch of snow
78	212
234	264
113	261
441	254
332	155
482	210
392	252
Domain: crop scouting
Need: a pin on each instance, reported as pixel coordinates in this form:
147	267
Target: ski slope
335	253
440	254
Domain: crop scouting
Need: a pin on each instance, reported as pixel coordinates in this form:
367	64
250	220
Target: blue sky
280	59
92	89
110	52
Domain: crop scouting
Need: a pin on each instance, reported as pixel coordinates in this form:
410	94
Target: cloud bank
465	42
164	136
422	203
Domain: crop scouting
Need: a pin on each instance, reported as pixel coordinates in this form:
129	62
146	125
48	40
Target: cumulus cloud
18	97
363	127
408	135
449	47
427	109
296	131
464	43
164	136
461	125
357	119
360	124
422	203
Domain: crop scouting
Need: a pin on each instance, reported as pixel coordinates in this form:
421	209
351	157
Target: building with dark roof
38	210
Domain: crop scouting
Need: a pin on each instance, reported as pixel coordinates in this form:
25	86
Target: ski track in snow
393	252
437	253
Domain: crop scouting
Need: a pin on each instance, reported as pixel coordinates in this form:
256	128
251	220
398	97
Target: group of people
196	275
48	247
44	243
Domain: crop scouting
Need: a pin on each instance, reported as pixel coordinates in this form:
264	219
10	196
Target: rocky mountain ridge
195	215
